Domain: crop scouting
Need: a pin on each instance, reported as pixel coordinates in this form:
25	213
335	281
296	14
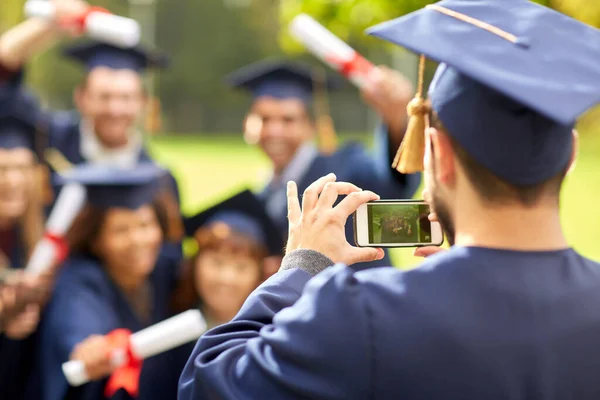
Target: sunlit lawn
211	167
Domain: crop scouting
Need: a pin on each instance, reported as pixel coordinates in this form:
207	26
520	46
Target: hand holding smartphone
396	223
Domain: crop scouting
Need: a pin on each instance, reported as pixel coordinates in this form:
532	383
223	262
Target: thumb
426	251
364	254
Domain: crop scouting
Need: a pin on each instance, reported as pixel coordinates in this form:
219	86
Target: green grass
210	168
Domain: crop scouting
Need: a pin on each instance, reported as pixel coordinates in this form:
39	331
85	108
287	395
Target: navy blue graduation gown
353	163
471	323
87	302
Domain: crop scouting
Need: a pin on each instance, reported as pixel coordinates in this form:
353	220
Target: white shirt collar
298	167
94	152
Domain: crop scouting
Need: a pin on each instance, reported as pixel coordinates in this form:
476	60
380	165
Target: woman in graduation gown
116	278
21	226
236	241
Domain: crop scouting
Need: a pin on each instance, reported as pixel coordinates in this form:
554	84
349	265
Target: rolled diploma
120	31
39	8
156	339
109	28
68	204
324	45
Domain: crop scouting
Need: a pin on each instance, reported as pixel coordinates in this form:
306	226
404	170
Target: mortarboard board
243	213
18	121
96	54
109	187
279	79
513	80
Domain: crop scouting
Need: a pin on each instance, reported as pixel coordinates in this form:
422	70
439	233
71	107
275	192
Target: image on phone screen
389	223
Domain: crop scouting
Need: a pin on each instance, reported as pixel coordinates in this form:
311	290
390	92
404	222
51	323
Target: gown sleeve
281	344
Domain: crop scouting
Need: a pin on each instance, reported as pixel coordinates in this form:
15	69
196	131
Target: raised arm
280	348
388	96
35	35
287	345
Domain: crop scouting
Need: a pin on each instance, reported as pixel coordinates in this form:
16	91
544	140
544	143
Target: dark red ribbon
80	21
127	376
356	65
60	244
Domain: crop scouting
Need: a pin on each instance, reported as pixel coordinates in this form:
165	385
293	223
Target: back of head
503	102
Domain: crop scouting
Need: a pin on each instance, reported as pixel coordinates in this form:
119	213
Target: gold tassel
57	161
42	173
153	122
409	158
328	140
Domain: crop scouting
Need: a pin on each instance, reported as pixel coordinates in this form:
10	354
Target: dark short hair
495	189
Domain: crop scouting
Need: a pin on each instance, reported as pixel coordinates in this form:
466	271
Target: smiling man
284	128
110	100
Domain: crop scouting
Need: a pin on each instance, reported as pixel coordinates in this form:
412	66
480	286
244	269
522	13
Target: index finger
354	200
294	211
311	194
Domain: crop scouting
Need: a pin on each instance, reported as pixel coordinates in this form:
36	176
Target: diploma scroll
156	339
331	49
100	25
51	248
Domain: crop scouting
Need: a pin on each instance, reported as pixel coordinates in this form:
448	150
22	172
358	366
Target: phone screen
399	223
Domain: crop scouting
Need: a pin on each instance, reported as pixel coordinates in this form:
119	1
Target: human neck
91	129
514	227
215	318
126	283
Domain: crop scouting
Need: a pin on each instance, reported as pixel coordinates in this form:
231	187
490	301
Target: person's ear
78	96
441	155
252	128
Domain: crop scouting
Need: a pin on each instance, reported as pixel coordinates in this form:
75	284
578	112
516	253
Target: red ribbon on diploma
127	376
60	244
80	21
355	65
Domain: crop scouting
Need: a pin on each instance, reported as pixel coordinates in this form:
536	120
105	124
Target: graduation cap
279	79
514	76
110	187
18	121
243	213
95	54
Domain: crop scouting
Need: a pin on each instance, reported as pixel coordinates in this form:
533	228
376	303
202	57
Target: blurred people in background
117	277
22	183
236	241
282	124
110	100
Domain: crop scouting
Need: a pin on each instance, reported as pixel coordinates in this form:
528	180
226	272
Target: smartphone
396	223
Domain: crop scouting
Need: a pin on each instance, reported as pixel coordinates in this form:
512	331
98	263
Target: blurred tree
210	40
10	13
349	18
